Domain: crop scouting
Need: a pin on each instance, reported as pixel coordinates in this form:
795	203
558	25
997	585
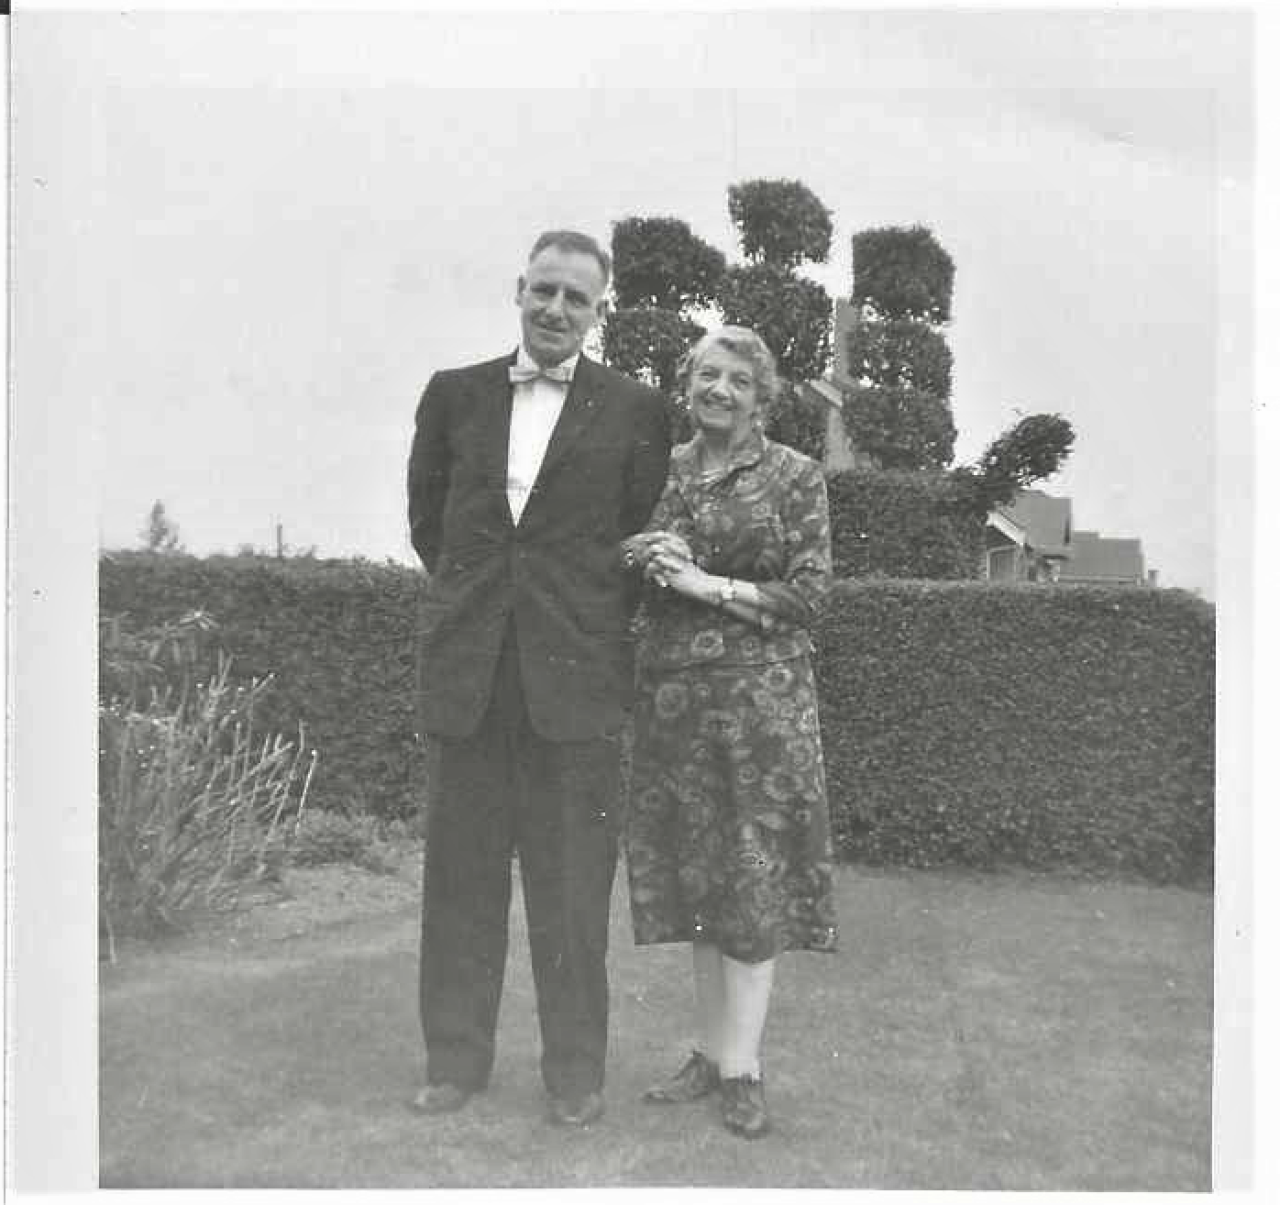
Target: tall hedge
1044	726
966	723
903	524
336	635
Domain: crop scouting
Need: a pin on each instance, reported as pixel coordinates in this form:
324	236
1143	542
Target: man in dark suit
526	473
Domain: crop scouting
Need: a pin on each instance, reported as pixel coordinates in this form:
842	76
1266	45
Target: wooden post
280	541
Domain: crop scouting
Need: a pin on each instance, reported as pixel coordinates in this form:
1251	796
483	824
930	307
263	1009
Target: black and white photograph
650	599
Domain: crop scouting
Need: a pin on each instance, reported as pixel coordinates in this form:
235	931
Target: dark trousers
501	789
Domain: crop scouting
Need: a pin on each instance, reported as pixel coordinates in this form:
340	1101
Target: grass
1008	1031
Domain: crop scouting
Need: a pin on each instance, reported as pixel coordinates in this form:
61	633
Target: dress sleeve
806	579
672	513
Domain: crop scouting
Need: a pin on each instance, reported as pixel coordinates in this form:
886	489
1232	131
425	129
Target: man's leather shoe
435	1099
576	1110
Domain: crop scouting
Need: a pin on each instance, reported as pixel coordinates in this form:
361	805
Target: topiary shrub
899	353
901	428
790	313
798	421
780	222
648	343
902	272
659	262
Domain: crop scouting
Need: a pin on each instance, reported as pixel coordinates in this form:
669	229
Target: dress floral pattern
728	834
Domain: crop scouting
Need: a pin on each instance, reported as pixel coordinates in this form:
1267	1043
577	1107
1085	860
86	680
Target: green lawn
1007	1031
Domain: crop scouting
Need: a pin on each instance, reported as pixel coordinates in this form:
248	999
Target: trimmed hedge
900	524
336	635
964	723
1042	726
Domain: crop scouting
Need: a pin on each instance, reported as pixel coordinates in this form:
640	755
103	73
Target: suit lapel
581	406
494	394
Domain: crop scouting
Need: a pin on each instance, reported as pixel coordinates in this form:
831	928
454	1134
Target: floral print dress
728	836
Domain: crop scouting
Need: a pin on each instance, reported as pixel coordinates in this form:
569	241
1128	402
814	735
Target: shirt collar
525	360
688	460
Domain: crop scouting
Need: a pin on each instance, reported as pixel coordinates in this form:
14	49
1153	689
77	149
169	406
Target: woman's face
723	398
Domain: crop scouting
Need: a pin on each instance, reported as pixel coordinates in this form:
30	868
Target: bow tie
519	373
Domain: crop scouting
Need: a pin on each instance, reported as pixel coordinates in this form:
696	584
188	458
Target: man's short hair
573	240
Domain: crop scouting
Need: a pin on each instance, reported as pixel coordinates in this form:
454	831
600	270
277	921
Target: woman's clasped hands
665	558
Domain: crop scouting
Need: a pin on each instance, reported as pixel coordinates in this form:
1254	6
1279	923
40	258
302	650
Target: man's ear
602	310
519	289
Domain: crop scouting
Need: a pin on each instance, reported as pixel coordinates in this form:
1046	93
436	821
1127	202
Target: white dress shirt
535	409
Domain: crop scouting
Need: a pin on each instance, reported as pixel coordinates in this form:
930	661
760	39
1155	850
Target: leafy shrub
133	665
324	838
192	792
1044	726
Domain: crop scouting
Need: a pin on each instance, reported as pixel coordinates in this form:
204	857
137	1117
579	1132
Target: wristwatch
727	593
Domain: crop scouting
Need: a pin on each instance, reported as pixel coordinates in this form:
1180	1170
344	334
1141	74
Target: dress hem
786	947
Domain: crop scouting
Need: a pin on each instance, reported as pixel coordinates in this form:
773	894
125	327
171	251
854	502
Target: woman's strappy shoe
698	1077
742	1106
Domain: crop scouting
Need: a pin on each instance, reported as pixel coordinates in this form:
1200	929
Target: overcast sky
245	241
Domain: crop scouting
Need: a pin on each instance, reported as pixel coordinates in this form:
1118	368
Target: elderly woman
728	837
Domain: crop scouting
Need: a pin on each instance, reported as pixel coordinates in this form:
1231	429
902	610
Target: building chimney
845	317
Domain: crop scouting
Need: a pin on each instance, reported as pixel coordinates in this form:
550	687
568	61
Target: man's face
561	297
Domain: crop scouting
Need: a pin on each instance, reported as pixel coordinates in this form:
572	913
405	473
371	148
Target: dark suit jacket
557	573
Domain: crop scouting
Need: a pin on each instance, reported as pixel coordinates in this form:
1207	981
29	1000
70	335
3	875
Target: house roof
1096	558
1046	520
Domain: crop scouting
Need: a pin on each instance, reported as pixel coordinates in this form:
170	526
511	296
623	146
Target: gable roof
1046	520
1098	558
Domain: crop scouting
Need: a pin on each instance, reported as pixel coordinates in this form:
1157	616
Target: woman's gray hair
743	342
